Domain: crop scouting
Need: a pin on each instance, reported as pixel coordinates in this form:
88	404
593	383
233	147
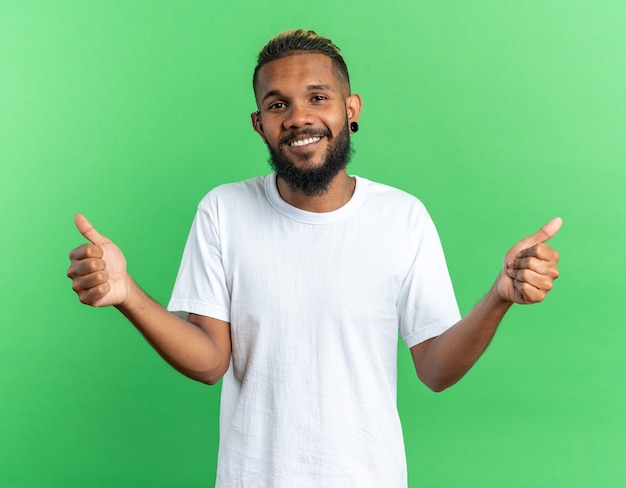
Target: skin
199	347
527	275
299	92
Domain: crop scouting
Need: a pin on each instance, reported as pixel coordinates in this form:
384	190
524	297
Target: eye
277	106
319	98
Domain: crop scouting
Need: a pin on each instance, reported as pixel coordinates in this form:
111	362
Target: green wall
499	115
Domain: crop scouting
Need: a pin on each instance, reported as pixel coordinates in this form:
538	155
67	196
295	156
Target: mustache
306	132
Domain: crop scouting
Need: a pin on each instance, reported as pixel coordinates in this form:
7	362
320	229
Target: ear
257	125
353	107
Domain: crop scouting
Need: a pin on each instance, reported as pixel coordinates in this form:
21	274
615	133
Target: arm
530	268
199	347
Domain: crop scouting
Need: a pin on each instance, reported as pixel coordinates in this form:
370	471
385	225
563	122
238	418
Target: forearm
529	271
184	345
444	360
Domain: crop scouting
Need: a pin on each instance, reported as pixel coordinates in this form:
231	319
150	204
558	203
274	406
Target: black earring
354	126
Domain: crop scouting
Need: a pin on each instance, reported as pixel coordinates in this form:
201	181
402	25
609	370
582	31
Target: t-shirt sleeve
201	286
426	305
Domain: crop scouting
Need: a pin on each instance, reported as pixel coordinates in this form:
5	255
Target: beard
313	181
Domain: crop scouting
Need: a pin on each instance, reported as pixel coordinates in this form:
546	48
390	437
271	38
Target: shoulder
391	199
233	194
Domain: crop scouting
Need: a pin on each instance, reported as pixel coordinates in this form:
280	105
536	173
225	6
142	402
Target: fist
97	269
530	267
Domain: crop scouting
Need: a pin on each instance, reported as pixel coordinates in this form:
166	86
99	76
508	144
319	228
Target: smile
304	142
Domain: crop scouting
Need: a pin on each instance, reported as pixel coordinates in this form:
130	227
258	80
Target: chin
312	175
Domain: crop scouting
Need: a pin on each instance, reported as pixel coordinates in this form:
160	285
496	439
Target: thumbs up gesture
97	270
530	267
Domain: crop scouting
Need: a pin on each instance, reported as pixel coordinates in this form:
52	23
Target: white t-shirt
315	302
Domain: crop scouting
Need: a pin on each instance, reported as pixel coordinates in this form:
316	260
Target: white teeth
304	142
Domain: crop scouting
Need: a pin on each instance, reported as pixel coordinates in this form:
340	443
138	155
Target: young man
296	284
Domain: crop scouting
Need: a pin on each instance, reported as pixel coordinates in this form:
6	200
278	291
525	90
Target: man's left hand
530	267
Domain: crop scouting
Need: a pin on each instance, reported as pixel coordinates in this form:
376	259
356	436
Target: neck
338	194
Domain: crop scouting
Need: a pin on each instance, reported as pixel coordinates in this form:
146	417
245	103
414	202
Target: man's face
304	112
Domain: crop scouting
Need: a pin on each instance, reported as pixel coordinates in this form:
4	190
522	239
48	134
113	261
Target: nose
299	115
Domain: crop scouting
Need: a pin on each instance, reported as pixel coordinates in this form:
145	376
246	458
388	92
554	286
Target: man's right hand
98	270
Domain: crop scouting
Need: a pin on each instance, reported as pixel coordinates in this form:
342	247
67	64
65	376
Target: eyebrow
273	93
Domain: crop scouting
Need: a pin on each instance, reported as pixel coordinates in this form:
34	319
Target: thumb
88	231
545	233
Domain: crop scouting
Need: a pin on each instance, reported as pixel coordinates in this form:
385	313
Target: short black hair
300	40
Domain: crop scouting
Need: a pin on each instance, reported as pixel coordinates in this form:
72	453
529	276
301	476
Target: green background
498	115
